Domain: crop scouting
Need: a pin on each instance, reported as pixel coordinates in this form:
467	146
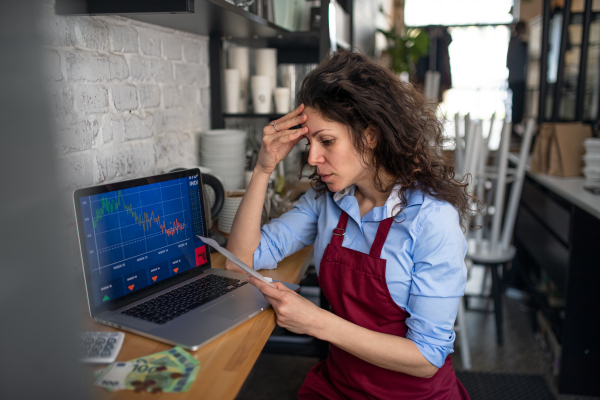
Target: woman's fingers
264	288
289	123
295	112
294	135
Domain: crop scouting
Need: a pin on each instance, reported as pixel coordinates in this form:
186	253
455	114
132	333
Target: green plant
405	49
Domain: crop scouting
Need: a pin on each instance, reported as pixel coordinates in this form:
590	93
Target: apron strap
382	232
338	233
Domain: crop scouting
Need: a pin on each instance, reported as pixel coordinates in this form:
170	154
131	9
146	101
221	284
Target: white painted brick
57	30
75	133
137	127
199	119
92	99
118	67
129	161
171	47
51	66
75	171
171	97
166	150
112	128
189	96
61	100
149	95
170	120
86	67
173	150
91	33
123	39
205	97
191	51
150	42
190	74
147	69
124	97
204	59
100	168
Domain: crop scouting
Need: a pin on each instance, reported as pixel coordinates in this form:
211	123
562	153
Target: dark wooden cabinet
556	238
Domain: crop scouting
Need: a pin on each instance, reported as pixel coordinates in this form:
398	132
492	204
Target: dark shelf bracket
81	7
587	17
564	40
544	62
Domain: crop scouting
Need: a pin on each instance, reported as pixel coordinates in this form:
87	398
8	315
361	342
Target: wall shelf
249	115
209	18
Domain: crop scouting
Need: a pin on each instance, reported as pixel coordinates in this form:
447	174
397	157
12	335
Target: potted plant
404	49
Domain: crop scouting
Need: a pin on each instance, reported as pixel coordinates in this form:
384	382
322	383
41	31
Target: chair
496	251
468	154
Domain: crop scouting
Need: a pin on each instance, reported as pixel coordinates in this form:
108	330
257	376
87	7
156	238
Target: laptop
145	270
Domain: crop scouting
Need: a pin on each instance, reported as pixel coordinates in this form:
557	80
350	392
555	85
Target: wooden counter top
225	362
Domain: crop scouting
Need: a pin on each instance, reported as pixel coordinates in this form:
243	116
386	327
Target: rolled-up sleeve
289	233
439	279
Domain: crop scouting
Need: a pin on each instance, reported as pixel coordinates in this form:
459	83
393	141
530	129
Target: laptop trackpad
233	307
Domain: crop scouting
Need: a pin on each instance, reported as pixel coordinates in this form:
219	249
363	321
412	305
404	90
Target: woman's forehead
317	124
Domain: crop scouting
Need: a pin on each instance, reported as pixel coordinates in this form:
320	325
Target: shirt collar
413	197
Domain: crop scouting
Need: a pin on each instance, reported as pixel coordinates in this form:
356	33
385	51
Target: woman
385	218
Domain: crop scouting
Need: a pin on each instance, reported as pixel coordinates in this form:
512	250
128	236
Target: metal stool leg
465	352
497	293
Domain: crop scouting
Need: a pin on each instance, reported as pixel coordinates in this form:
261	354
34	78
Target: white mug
238	58
282	100
232	91
262	93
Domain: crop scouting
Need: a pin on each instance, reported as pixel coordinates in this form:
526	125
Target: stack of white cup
266	65
591	169
262	94
282	100
238	58
232	91
224	151
230	206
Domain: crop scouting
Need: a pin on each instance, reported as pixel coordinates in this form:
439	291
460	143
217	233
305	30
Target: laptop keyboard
177	302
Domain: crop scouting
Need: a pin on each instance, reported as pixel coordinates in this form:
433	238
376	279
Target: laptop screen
139	233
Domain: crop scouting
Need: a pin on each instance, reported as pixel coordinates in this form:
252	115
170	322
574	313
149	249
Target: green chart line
108	206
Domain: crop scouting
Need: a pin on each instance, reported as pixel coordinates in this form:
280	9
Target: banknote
140	377
171	371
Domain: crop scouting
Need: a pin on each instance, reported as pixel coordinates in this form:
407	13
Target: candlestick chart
133	222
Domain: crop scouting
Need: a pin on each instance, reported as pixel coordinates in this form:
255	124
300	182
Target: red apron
355	286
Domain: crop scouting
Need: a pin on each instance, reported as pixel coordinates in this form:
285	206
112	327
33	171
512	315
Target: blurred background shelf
203	17
249	115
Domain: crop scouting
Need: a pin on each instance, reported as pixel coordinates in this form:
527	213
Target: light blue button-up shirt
425	251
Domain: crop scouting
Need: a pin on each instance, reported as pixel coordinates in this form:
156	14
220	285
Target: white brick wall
127	100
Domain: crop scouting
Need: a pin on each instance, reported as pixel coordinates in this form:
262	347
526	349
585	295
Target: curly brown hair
351	89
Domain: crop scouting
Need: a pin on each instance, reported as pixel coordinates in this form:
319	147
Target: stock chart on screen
140	236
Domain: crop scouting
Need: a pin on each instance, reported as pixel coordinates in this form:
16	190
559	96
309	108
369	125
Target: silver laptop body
138	247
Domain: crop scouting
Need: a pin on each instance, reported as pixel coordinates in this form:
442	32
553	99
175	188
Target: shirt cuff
263	257
436	355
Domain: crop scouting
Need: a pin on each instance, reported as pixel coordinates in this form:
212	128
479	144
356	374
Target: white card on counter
230	256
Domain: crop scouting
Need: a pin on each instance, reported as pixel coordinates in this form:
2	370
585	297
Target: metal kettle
210	183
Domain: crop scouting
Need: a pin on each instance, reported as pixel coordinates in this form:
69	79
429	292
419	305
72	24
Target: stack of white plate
224	151
230	207
591	171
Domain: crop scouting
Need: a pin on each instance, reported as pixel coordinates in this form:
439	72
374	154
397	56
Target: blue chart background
125	251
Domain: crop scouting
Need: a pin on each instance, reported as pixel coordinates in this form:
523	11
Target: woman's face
333	153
